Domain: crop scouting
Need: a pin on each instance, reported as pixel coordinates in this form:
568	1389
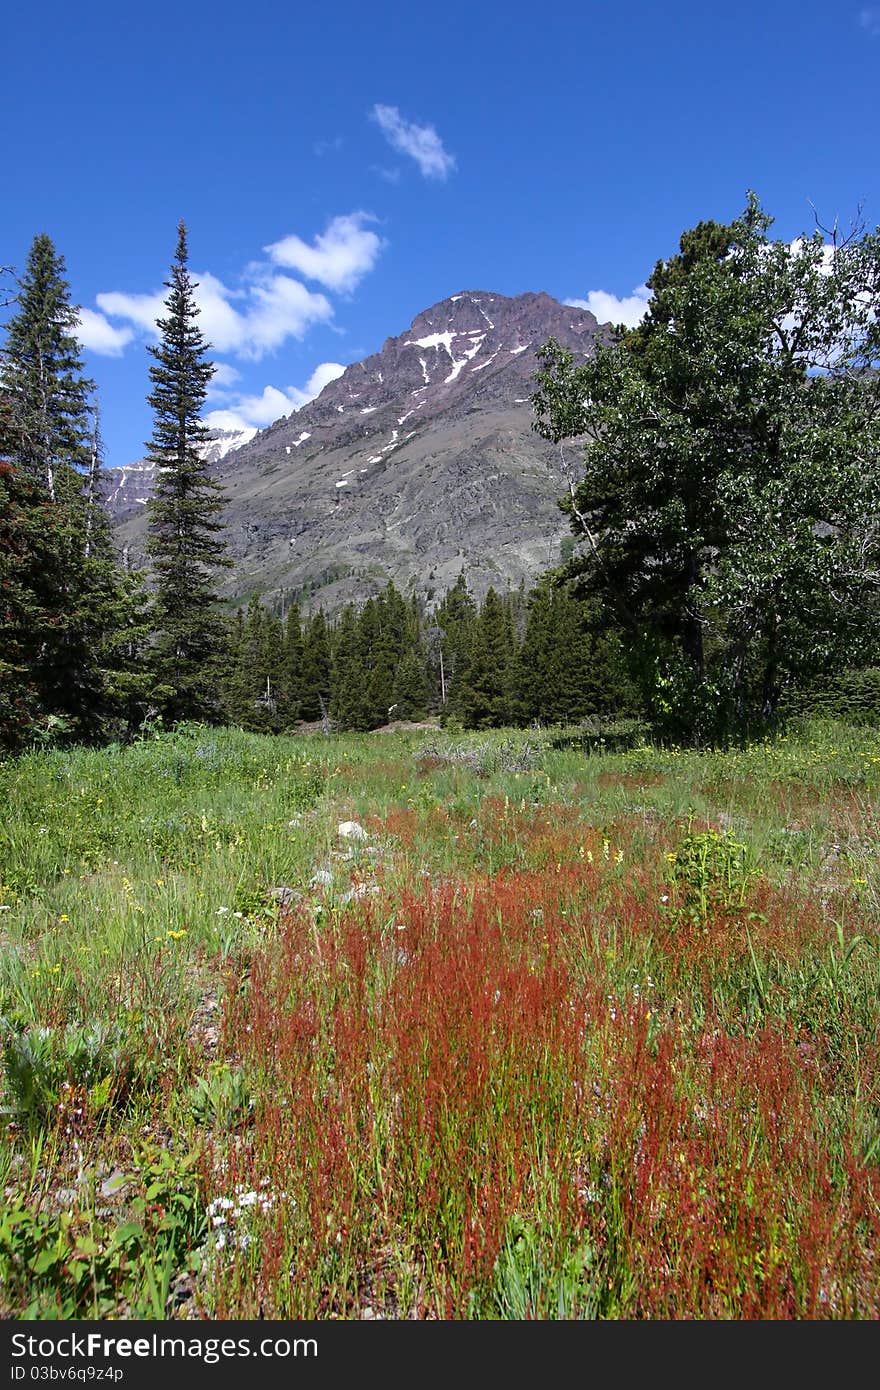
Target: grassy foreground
423	1025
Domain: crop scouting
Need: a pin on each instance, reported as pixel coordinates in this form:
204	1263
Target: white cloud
224	378
93	331
142	310
869	19
323	374
270	310
267	307
420	142
281	308
273	402
609	309
339	257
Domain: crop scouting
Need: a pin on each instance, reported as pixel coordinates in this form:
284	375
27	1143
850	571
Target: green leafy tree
730	492
185	542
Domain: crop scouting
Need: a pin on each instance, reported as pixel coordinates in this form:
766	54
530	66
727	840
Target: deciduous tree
730	494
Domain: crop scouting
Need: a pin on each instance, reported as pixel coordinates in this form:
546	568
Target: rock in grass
351	830
285	896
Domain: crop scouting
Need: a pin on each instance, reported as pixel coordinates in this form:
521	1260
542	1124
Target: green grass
567	1034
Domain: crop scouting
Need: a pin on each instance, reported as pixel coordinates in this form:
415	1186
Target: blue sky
342	167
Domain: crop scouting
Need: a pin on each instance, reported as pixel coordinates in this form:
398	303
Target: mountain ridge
419	462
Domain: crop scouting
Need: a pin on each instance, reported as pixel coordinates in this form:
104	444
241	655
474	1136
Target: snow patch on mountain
131	478
458	363
223	442
480	366
434	340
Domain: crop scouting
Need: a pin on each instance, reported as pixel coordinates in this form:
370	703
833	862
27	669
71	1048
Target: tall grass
555	1035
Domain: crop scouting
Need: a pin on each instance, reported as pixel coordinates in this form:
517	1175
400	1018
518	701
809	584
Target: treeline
515	658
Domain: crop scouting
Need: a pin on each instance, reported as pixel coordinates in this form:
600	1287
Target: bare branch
5	302
591	541
857	227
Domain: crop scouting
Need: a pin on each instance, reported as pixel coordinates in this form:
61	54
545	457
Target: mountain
417	463
127	489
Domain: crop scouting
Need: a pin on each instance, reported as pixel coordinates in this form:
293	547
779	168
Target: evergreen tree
271	663
486	702
42	372
377	662
455	618
411	685
350	701
532	669
185	544
290	697
385	629
82	662
235	682
411	679
29	584
316	664
253	676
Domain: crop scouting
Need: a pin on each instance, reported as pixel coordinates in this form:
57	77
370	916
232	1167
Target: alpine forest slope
417	463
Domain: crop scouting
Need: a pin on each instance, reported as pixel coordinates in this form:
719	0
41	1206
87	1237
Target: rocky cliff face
126	490
417	463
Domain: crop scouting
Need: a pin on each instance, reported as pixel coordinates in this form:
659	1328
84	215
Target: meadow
425	1024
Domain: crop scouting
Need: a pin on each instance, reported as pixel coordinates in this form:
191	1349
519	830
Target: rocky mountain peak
418	462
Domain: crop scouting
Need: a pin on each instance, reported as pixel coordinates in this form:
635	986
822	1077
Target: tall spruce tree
29	584
571	663
350	698
291	667
411	688
185	543
75	655
42	371
486	700
456	620
316	669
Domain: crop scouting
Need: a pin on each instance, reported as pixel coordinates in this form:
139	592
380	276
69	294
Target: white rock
351	830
